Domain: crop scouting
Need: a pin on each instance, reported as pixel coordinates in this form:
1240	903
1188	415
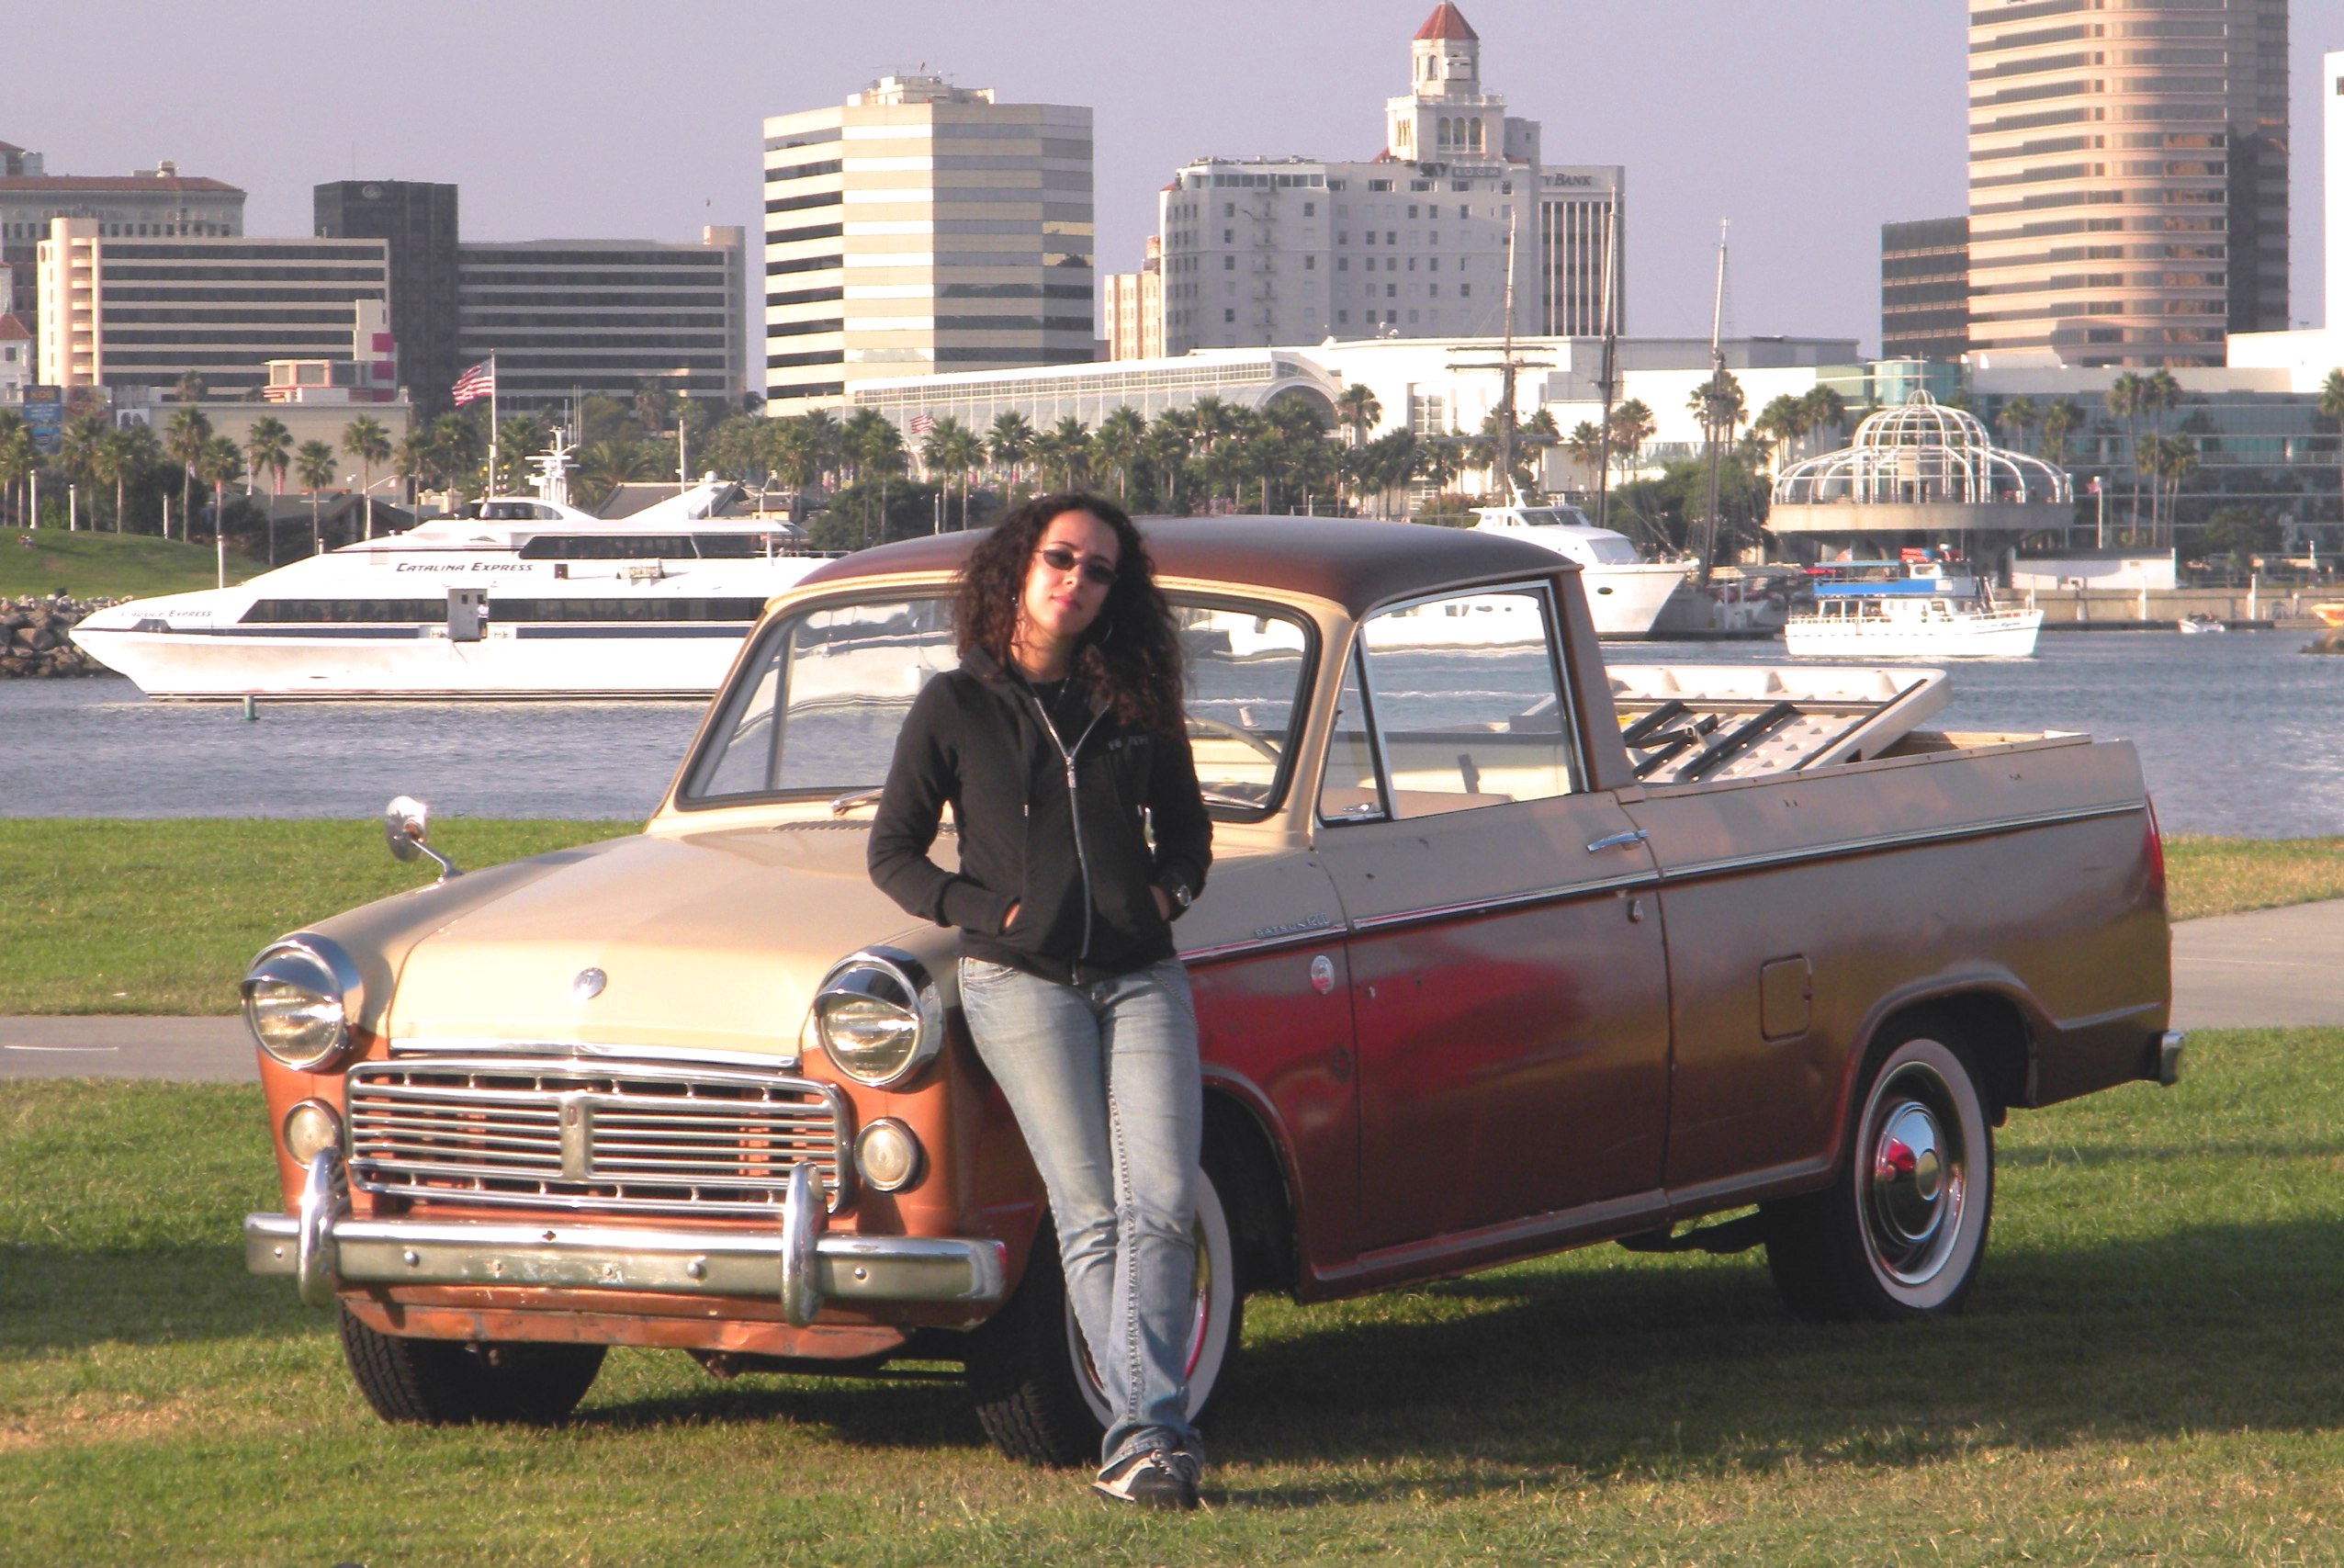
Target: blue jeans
1104	1082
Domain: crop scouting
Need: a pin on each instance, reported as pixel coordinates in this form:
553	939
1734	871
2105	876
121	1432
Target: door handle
1617	840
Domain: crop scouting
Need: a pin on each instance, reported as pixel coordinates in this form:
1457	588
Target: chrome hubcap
1912	1204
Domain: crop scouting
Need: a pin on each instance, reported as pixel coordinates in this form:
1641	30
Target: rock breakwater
35	640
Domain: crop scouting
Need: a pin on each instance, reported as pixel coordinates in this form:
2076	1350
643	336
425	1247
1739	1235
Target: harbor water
2240	734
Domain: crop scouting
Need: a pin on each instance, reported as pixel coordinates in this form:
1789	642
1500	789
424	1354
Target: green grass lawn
142	916
114	916
90	565
2145	1375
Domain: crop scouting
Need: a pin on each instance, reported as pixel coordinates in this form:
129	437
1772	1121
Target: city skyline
568	135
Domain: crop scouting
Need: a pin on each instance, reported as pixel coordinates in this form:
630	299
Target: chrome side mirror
405	822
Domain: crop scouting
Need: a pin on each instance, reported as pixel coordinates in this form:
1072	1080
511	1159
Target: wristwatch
1180	896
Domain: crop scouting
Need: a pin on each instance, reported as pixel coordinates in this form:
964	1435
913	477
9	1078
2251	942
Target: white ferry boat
1927	609
1625	591
508	597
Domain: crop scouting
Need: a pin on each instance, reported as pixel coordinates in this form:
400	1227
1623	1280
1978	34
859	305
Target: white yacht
1625	591
1921	609
508	597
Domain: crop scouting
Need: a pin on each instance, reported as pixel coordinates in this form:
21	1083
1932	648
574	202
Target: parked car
1502	953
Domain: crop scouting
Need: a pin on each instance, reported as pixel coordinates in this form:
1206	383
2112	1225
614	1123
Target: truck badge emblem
589	984
1322	975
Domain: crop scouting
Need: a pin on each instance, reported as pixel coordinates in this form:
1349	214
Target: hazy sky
1807	122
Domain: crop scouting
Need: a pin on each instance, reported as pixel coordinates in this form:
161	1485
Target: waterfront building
18	354
572	318
120	312
1919	473
160	202
924	227
2128	179
1440	388
1131	308
1410	243
418	222
1924	288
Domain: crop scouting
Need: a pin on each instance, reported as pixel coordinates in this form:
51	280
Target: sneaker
1151	1479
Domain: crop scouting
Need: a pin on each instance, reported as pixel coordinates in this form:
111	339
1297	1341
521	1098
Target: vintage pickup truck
1502	953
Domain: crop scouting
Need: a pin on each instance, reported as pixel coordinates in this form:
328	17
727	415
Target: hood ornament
589	984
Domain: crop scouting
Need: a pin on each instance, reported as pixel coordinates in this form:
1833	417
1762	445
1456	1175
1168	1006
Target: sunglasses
1058	557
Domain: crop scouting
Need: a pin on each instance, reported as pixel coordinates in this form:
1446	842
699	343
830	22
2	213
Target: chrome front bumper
325	1249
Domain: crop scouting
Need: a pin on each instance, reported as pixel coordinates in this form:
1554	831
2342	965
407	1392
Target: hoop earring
1103	638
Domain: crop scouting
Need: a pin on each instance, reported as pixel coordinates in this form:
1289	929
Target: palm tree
365	439
1167	451
220	461
418	459
124	455
77	451
1358	412
1070	447
793	452
191	385
2061	420
1780	423
184	443
1010	441
1585	445
603	466
17	460
314	462
1822	408
2015	418
958	450
269	445
1632	424
1119	439
2331	407
2126	401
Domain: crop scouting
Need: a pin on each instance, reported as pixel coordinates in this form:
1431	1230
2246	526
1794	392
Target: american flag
921	425
478	382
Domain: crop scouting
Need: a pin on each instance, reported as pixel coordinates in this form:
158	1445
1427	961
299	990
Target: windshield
814	710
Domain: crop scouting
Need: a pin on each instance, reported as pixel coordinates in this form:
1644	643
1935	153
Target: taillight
2152	852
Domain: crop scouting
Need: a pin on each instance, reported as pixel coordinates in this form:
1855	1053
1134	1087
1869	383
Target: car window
1348	790
1246	669
1468	706
816	707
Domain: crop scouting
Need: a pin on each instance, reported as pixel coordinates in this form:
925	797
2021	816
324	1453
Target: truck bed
1682	724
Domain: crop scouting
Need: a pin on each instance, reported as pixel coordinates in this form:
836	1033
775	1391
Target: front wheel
1037	1397
1901	1232
443	1382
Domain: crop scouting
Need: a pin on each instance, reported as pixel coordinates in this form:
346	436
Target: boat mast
1506	381
1608	369
1713	407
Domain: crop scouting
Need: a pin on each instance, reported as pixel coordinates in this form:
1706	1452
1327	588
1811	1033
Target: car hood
711	941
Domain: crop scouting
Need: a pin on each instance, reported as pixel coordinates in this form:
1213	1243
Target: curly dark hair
1130	660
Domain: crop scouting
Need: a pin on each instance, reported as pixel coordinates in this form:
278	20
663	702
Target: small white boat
508	597
1625	591
1925	609
2193	626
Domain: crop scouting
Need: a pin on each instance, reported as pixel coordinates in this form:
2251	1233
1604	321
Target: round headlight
295	1004
887	1156
878	1018
309	1127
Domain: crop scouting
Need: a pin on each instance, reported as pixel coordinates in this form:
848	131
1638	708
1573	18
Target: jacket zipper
1074	811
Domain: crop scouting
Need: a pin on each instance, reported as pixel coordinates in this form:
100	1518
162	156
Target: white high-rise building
921	227
1411	243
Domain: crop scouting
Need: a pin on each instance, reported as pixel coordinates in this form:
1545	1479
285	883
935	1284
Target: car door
1509	987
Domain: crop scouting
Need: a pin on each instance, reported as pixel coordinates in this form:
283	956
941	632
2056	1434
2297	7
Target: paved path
214	1050
2269	969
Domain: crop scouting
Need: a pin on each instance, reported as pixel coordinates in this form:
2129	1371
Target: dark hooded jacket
1059	827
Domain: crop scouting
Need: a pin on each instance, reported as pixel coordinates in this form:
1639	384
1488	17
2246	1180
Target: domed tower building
1917	474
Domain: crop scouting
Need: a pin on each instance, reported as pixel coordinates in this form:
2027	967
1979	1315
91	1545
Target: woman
1059	743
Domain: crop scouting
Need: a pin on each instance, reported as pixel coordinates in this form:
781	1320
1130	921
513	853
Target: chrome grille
635	1136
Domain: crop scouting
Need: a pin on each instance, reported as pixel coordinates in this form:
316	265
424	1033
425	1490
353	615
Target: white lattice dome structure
1920	466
